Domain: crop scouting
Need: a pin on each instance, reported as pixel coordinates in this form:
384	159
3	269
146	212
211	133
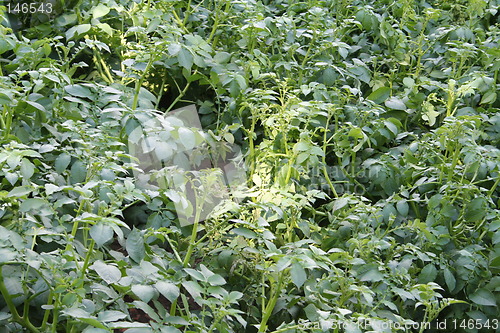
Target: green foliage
370	133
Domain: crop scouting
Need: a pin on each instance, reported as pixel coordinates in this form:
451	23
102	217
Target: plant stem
490	192
75	225
454	163
192	242
272	303
21	320
306	57
103	68
138	83
181	94
87	260
251	146
216	24
6	120
323	158
47	312
176	254
289	169
186	16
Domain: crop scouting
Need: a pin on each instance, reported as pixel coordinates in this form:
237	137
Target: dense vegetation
369	133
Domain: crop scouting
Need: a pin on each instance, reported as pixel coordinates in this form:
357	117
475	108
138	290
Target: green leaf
5	99
14	160
51	189
405	295
185	59
27	169
428	274
402	207
36	106
106	28
489	97
495	263
5	45
242	83
302	157
372	275
234	296
344	52
483	297
329	76
195	274
247	233
216	280
169	290
144	292
395	103
301	146
6	255
229	137
125	324
283	263
20	191
32	204
84	317
450	280
176	320
101	233
99	11
409	82
298	274
390	125
77	30
339	204
222	57
147	310
77	313
78	172
193	288
66	19
311	312
496	237
206	272
187	137
429	113
234	88
12	178
174	49
78	90
476	210
110	315
164	151
356	132
109	273
135	245
450	211
62	161
4	316
380	95
170	329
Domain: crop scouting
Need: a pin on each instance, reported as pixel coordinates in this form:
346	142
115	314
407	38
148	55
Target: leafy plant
367	190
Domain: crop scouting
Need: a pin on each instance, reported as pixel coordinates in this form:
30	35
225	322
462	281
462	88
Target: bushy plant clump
369	135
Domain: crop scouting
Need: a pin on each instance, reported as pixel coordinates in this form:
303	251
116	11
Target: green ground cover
369	135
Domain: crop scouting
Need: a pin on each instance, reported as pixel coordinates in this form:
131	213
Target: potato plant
250	166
